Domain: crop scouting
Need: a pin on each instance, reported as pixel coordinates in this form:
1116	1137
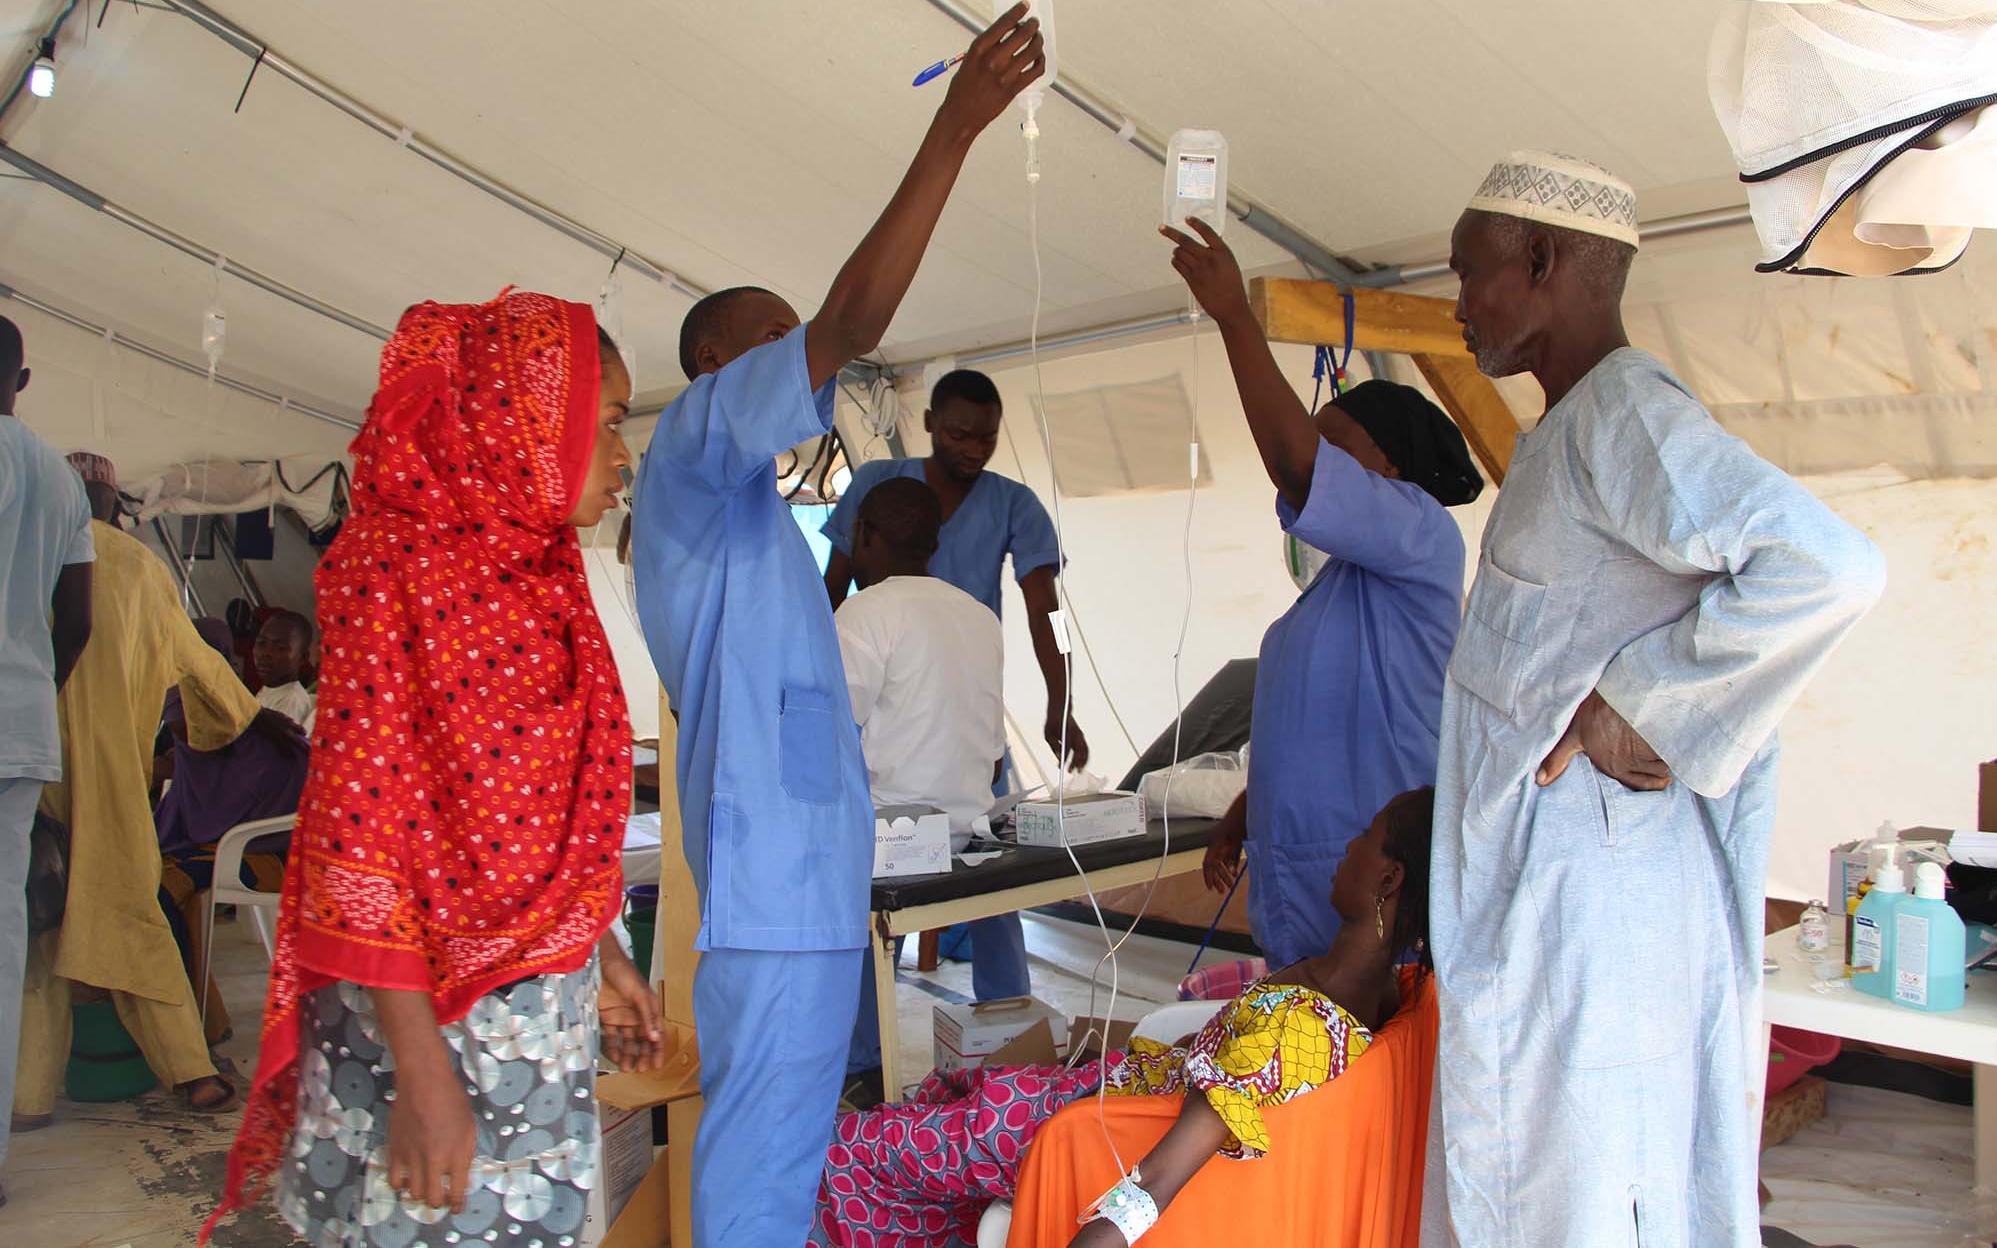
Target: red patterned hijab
463	820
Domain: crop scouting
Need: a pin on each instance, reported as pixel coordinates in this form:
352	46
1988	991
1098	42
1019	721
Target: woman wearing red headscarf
431	1031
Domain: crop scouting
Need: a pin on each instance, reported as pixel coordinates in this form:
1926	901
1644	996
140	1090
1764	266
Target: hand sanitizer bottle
1928	946
1872	927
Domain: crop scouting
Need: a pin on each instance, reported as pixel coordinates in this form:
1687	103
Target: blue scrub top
777	823
998	517
1348	693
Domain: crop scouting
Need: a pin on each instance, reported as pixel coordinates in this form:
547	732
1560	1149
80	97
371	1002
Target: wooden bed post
1419	326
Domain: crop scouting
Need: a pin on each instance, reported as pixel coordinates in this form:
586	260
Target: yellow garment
1274	1043
168	1035
114	934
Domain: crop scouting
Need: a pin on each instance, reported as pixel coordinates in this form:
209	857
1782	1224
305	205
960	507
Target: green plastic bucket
104	1061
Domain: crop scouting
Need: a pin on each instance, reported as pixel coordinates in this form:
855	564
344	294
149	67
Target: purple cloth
253	777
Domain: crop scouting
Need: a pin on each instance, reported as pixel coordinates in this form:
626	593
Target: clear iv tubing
1114	945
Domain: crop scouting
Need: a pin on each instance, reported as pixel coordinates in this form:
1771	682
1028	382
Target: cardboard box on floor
626	1141
1035	1046
967	1035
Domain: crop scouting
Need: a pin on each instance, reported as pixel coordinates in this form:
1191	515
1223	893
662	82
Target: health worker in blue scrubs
986	519
1348	691
778	828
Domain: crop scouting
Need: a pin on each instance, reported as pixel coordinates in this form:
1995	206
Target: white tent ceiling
754	140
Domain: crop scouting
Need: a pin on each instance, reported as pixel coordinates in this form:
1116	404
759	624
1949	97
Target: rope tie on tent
1333	366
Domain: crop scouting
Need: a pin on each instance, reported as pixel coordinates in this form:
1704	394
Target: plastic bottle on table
1873	928
1813	934
1928	945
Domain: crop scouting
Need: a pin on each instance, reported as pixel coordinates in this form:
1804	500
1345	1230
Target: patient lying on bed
922	1173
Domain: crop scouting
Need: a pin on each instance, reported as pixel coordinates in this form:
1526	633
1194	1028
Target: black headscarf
1417	438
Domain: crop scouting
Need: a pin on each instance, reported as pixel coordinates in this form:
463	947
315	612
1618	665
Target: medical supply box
968	1034
1083	820
910	840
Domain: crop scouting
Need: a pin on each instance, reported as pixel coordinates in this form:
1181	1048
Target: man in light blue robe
778	827
1650	598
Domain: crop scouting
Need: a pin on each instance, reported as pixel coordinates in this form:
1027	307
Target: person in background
46	553
925	669
1348	690
986	518
444	955
113	936
259	775
100	486
1651	598
284	643
773	790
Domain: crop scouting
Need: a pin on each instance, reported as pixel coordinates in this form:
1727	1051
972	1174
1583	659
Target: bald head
896	531
728	323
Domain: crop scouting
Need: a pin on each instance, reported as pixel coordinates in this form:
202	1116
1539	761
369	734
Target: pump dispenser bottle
1872	927
1928	946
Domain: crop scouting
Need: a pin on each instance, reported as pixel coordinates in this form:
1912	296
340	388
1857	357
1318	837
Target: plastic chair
1169	1023
1356	1145
227	889
1166	1024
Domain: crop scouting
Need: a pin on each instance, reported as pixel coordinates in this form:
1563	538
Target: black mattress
1018	865
1216	719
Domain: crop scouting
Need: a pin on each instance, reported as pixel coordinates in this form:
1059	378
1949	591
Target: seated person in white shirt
283	645
924	667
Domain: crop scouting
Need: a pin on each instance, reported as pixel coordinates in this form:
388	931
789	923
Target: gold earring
1380	917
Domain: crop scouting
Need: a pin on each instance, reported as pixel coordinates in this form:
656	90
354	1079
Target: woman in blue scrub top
1348	692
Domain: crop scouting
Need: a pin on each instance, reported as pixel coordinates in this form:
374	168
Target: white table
1968	1034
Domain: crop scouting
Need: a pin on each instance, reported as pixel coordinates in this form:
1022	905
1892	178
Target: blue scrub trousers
18	797
774	1031
998	969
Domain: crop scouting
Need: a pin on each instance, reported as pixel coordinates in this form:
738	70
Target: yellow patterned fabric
1275	1042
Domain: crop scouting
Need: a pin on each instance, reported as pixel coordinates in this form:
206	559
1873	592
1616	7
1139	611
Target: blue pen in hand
936	70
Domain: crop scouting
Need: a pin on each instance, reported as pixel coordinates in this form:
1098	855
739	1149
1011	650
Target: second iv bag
1196	178
214	332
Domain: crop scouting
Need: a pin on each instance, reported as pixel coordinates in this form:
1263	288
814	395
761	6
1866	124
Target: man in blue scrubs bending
777	823
1348	691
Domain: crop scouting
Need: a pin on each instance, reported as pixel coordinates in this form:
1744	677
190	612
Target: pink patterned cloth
1223	981
919	1174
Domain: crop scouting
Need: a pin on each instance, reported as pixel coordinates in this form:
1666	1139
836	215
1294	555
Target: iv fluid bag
1196	178
214	331
1043	10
